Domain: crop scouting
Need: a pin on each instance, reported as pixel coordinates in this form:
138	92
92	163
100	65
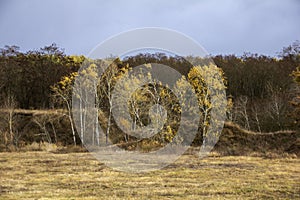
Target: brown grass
35	112
44	175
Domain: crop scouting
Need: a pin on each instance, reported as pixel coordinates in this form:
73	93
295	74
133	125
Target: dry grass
35	112
44	175
236	141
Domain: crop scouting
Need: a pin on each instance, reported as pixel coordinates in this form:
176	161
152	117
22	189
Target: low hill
234	140
238	141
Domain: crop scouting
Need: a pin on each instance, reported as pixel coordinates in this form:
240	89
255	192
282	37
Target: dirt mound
237	141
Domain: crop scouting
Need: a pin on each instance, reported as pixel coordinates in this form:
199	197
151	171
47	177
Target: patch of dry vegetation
44	175
235	140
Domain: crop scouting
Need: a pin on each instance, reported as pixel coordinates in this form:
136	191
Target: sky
220	26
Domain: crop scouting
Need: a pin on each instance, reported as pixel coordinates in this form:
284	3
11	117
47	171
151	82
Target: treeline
262	94
262	90
28	76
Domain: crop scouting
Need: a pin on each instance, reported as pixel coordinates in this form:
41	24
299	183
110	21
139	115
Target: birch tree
62	95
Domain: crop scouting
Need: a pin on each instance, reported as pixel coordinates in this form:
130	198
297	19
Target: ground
45	175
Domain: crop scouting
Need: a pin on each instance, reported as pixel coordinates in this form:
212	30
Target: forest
262	94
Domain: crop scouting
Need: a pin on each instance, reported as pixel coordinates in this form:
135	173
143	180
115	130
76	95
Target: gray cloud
228	26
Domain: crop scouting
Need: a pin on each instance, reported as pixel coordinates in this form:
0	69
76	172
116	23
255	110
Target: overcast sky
220	26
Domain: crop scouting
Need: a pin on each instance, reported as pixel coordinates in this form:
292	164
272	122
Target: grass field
44	175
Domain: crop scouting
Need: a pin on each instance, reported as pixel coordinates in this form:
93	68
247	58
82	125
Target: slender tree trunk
81	119
10	121
72	128
97	135
97	128
71	122
108	125
70	118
